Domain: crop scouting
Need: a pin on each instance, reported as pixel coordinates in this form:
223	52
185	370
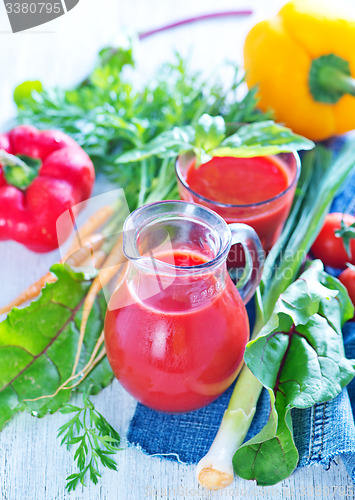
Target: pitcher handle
254	259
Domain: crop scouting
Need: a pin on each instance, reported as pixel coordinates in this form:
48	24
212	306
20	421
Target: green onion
320	181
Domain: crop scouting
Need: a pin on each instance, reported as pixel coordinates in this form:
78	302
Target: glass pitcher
176	327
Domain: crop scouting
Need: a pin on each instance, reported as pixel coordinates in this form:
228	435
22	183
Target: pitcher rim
164	267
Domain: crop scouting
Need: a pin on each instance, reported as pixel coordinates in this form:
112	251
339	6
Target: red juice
180	349
256	191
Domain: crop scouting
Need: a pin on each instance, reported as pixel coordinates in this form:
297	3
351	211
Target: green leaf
176	96
70	409
98	441
209	132
23	92
302	298
167	145
75	440
116	57
299	357
207	139
262	138
273	440
38	345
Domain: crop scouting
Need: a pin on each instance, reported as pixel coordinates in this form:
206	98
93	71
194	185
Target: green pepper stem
17	173
331	78
7	159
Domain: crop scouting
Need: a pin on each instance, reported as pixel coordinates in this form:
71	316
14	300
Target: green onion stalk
321	179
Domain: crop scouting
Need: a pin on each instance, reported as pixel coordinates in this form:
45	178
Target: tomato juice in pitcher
176	328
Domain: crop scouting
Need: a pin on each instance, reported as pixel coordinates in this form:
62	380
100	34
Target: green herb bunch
108	115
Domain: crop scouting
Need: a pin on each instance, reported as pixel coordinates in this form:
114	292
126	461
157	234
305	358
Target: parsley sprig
96	441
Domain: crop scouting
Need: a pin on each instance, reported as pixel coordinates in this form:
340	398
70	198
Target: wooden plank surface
32	464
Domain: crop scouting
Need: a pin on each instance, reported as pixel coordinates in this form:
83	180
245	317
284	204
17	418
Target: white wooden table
32	464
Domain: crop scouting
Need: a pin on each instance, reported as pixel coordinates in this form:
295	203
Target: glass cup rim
246	205
137	258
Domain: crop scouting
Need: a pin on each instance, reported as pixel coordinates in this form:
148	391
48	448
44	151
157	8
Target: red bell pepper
65	178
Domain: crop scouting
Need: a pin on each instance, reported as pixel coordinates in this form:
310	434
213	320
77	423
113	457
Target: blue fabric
321	432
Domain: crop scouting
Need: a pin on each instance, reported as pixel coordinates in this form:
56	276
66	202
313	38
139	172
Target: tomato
330	248
347	277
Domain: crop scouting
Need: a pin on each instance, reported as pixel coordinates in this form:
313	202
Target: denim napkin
321	433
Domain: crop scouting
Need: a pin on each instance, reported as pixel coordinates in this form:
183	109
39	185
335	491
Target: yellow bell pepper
303	61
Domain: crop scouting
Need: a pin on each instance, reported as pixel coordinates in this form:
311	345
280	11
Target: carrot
95	258
94	222
105	275
99	258
86	251
35	289
31	292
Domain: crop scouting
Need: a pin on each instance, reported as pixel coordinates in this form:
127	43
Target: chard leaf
302	298
299	357
262	449
167	145
262	138
38	345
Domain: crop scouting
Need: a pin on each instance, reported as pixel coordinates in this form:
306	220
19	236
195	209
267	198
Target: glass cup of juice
257	191
176	326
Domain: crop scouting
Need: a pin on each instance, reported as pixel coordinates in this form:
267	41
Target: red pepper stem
203	17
